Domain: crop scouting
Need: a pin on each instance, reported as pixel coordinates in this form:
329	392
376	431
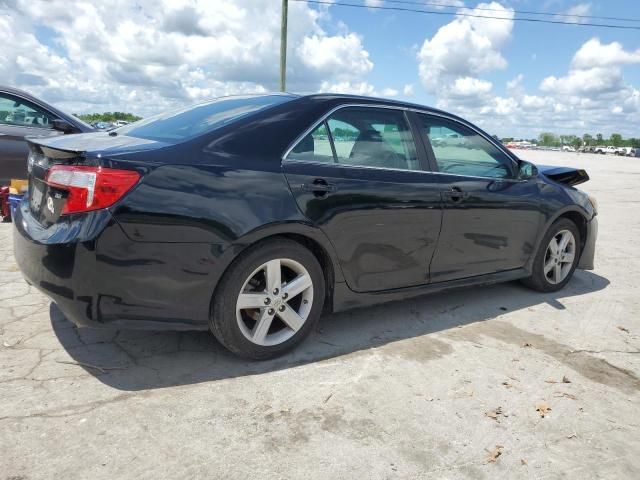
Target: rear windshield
178	125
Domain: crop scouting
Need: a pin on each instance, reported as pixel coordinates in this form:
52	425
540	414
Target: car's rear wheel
557	257
269	300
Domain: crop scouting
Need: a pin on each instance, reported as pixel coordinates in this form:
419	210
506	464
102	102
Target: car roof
41	103
350	98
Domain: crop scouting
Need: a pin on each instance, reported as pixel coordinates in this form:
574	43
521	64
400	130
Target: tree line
550	139
108	117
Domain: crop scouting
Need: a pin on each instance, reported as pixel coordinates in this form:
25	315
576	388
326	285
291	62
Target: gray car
22	115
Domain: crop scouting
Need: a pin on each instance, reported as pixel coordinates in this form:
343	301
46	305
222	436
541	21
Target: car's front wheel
269	300
557	257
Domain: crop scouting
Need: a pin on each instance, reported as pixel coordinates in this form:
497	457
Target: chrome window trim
403	170
27	126
306	132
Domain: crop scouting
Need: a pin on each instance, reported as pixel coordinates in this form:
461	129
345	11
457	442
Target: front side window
361	136
461	151
17	112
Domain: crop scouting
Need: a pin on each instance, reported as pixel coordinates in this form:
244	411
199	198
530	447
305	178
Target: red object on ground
5	210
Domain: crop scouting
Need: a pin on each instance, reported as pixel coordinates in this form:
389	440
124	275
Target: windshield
184	123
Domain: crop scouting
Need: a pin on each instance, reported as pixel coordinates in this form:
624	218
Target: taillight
90	188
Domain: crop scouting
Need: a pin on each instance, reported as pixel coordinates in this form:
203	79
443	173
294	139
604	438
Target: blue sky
513	78
535	50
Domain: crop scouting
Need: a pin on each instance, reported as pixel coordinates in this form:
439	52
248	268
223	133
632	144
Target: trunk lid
46	202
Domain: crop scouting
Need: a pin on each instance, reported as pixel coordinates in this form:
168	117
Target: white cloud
390	92
150	55
596	54
355	88
464	48
408	90
575	13
340	56
592	96
469	86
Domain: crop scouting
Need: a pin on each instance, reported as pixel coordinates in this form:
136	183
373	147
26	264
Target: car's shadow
138	360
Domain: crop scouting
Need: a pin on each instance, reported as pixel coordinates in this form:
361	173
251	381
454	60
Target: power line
461	14
517	12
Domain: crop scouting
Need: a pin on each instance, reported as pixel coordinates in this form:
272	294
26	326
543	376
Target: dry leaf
523	461
527	344
550	381
494	454
565	379
507	384
542	408
620	327
565	394
495	414
573	435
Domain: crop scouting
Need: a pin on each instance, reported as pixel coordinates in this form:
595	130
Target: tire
236	326
539	279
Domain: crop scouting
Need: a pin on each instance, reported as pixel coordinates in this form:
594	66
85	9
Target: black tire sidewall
223	316
538	279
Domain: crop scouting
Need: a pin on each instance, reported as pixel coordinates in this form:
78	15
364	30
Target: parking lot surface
451	385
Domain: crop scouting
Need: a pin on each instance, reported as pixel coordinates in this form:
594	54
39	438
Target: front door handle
455	194
319	187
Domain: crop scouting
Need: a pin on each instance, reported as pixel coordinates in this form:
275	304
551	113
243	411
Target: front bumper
589	250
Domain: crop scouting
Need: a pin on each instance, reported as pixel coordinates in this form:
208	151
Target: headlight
594	204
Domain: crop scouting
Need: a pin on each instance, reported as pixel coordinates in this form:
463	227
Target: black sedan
250	216
21	115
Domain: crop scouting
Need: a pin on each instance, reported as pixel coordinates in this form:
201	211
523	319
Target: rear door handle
454	195
319	186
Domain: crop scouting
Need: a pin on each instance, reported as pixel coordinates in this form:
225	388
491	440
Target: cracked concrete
396	391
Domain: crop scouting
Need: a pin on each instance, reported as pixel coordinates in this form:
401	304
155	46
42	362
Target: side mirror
63	126
527	170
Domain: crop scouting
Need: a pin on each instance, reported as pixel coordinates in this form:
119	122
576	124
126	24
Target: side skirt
345	299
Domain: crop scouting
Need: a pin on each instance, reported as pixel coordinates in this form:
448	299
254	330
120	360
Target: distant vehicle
568	148
245	216
104	126
22	115
625	151
604	150
120	123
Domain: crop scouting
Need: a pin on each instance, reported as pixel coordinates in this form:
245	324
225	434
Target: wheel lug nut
285	296
276	291
267	301
281	308
271	311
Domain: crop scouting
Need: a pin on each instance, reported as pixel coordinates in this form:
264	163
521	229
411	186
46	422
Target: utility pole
283	46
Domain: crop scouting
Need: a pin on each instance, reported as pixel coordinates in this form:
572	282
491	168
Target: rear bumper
59	261
100	278
589	250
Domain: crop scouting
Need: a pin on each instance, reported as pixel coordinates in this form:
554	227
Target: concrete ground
426	388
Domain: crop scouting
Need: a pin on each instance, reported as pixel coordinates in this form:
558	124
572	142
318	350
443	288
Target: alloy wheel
274	302
559	257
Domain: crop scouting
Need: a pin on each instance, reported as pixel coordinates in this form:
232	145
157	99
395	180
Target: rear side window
18	112
185	123
361	136
373	137
315	147
461	151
